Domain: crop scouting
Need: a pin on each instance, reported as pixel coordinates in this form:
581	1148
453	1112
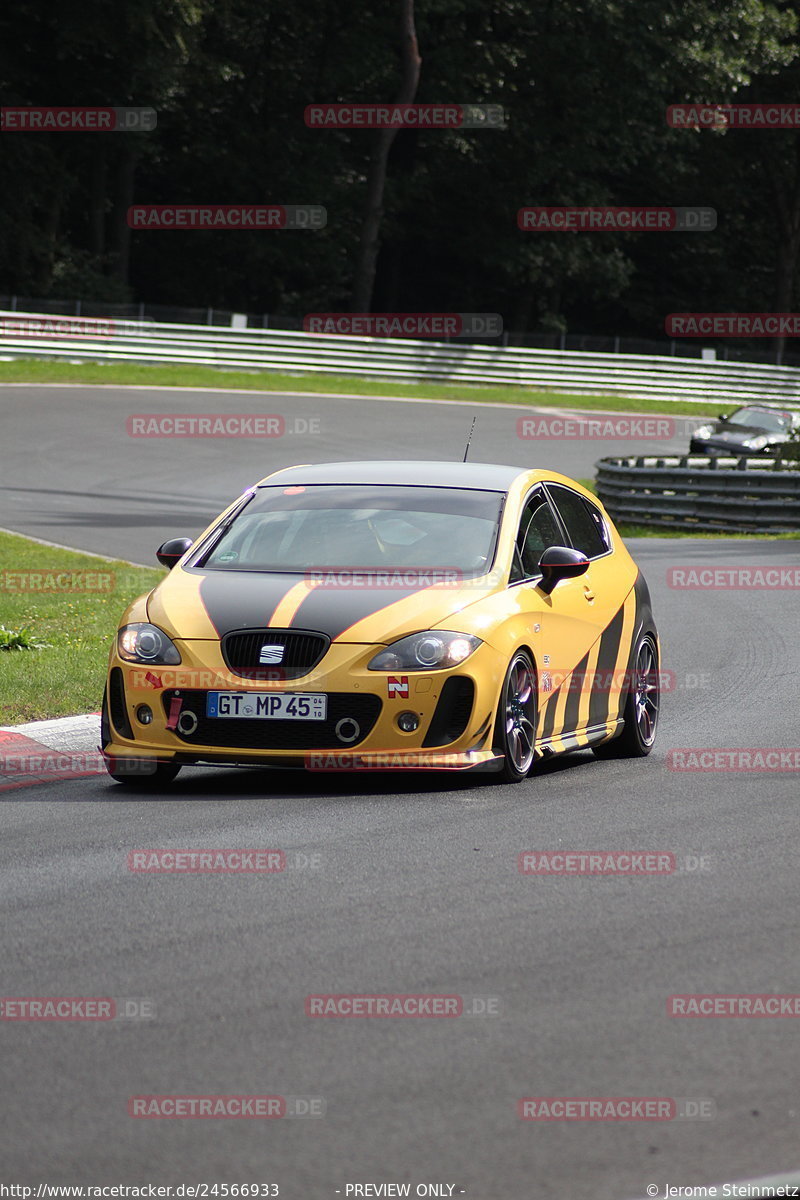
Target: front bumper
456	718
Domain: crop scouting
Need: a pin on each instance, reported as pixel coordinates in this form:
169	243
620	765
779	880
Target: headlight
431	651
703	432
145	643
757	443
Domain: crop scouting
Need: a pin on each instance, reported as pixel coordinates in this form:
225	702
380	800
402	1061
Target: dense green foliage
585	85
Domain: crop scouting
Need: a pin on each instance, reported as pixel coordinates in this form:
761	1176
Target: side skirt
562	744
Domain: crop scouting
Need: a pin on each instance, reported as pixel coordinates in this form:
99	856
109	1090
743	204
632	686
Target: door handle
588	594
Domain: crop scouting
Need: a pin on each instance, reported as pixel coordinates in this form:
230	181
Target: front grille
452	712
302	650
249	734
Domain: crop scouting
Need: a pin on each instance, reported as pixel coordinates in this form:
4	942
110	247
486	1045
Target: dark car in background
752	429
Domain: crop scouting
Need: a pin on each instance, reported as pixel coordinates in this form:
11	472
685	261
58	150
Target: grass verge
25	370
67	676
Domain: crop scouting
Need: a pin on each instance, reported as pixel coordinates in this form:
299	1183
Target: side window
537	531
584	523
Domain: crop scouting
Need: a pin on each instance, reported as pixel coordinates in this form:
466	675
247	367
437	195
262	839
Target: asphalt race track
414	888
71	474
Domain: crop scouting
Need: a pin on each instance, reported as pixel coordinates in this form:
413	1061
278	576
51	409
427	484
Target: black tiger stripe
606	663
577	681
550	715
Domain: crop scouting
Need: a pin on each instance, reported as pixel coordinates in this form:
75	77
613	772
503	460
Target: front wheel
134	772
641	707
141	773
515	729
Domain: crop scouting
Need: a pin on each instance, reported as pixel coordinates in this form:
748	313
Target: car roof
490	477
790	406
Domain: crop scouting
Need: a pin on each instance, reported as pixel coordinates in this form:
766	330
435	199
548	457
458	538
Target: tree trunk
123	199
787	205
97	202
369	243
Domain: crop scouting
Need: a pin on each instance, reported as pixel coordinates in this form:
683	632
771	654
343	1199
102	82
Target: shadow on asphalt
268	784
224	783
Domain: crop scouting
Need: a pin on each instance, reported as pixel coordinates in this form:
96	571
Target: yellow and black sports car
385	615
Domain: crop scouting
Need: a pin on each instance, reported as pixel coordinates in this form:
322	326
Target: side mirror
172	551
561	562
722	417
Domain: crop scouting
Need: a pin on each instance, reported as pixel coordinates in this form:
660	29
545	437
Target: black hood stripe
248	600
334	610
241	599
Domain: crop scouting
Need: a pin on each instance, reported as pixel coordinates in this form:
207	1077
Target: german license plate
266	706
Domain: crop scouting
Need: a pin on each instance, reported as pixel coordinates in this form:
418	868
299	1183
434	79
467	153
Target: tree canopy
584	84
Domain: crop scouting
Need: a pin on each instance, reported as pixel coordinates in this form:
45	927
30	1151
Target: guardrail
578	372
728	495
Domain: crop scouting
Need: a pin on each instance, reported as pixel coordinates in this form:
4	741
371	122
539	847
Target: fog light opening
408	722
144	714
347	730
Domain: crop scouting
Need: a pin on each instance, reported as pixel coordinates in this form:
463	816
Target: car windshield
302	528
762	418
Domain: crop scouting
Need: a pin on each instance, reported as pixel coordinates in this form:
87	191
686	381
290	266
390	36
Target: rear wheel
515	729
641	707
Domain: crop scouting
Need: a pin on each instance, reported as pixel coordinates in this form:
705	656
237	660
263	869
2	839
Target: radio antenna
469	439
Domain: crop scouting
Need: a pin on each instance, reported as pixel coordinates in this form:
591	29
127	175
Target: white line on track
74	549
153	387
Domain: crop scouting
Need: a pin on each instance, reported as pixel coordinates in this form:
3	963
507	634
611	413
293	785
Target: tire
163	772
515	726
641	706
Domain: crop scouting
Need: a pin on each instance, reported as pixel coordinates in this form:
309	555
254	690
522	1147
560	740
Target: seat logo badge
271	654
398	688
